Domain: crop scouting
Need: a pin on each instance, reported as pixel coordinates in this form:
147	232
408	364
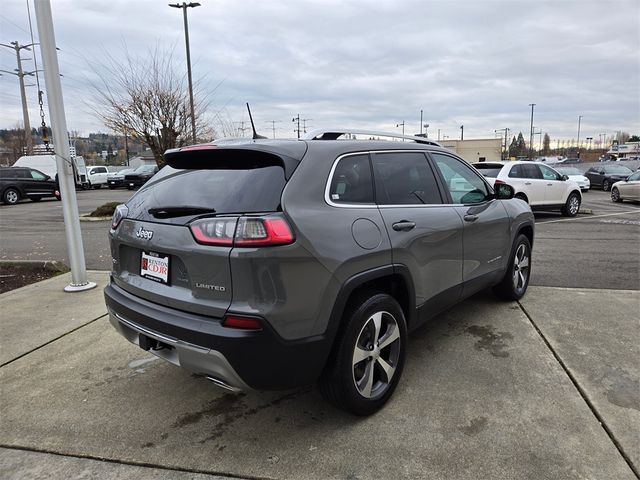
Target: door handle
470	218
403	226
527	183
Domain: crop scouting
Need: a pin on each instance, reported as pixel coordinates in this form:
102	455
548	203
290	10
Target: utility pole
420	122
297	119
506	140
578	142
126	147
531	133
273	126
21	74
66	178
184	7
438	134
304	124
461	132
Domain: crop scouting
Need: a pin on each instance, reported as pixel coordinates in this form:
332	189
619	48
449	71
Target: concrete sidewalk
543	389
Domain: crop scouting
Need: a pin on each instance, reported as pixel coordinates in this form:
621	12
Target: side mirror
504	191
565	178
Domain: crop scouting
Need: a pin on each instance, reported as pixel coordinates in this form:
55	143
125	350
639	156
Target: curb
52	265
585	211
87	218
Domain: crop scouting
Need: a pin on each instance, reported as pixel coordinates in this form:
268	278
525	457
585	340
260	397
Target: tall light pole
531	133
420	122
79	281
461	132
401	125
184	7
506	140
578	142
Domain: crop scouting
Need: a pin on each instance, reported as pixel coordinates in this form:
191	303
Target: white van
47	165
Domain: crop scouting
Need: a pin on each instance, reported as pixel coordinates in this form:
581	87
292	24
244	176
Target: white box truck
47	165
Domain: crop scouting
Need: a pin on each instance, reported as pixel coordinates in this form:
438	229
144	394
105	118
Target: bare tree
148	100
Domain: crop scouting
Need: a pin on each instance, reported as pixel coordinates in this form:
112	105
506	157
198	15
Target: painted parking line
589	217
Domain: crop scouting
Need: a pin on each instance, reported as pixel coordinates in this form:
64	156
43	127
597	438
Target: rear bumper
241	359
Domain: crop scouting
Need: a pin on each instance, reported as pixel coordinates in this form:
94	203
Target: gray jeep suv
270	264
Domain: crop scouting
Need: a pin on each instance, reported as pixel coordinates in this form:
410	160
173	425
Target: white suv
97	176
542	187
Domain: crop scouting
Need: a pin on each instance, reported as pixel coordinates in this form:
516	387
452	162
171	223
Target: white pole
66	177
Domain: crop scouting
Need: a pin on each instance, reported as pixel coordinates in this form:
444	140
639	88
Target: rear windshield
569	171
490	170
617	169
227	191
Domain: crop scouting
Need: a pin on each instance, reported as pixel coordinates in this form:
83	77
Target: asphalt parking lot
544	388
598	250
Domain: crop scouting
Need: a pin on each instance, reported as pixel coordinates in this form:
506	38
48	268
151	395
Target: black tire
35	199
112	187
11	196
572	205
606	185
615	195
522	197
516	279
362	386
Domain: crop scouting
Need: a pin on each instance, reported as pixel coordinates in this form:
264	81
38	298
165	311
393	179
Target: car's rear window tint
404	178
351	181
490	170
225	190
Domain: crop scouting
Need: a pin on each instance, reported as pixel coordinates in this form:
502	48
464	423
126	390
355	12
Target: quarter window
463	183
404	178
351	181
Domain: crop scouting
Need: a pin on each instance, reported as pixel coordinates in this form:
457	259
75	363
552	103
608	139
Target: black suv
269	264
21	182
140	176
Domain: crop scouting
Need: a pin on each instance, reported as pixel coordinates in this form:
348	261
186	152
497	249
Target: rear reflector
245	323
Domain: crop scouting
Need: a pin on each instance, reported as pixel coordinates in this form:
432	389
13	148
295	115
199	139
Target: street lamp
531	133
578	142
184	7
401	125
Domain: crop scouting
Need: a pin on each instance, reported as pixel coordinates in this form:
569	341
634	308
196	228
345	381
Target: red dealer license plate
155	266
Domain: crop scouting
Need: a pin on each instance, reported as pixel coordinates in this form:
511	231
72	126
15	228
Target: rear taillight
119	213
242	232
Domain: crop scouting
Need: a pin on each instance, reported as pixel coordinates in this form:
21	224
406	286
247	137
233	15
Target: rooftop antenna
253	127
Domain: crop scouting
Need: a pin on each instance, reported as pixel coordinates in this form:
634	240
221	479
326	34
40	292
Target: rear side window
523	170
242	190
351	181
36	175
404	178
8	173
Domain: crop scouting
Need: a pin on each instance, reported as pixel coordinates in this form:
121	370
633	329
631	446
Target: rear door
425	232
486	236
630	189
534	185
155	254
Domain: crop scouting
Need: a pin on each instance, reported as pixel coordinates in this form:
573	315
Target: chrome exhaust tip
223	384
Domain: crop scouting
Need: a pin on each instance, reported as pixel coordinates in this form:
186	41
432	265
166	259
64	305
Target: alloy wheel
615	195
12	197
574	205
521	263
605	185
376	355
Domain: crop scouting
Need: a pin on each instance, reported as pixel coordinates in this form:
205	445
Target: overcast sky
370	64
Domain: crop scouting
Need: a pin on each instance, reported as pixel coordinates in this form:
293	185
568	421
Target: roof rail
333	134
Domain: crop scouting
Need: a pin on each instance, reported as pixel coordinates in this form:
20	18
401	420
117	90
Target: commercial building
476	150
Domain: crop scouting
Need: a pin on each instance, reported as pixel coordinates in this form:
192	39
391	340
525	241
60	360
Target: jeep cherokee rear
273	264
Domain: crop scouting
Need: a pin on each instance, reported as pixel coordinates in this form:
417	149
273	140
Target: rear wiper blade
179	211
